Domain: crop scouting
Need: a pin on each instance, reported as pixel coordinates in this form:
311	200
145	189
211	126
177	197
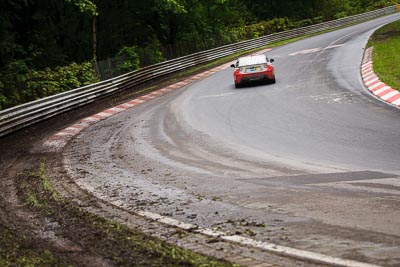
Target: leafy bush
382	4
151	53
265	27
19	84
128	59
281	24
302	23
340	15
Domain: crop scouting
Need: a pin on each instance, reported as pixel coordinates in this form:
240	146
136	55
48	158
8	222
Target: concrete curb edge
374	84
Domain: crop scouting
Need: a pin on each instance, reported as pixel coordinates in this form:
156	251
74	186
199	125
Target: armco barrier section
20	116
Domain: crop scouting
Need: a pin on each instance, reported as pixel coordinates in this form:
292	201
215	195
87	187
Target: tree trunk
94	39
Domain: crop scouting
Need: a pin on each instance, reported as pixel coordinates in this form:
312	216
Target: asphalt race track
311	162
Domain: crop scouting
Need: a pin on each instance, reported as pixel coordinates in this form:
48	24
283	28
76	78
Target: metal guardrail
15	118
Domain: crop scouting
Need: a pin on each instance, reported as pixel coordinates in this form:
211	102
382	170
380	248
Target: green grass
386	55
17	246
105	238
18	249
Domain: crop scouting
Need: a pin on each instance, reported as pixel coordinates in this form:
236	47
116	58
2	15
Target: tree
87	6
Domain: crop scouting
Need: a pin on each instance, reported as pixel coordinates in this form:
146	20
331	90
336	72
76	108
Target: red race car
253	69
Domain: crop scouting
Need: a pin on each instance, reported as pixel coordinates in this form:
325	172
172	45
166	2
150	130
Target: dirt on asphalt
47	221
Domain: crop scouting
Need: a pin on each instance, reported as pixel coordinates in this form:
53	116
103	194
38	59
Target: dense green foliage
37	36
21	84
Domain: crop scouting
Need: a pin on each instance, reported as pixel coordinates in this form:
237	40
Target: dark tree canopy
53	32
40	34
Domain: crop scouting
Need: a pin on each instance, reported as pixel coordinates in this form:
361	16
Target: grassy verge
386	55
104	238
18	249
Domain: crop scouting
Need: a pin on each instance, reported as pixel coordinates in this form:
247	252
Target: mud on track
49	235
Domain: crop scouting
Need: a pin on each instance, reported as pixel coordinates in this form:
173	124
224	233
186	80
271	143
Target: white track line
270	247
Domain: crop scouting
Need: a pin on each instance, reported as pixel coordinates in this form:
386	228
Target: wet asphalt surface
311	162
